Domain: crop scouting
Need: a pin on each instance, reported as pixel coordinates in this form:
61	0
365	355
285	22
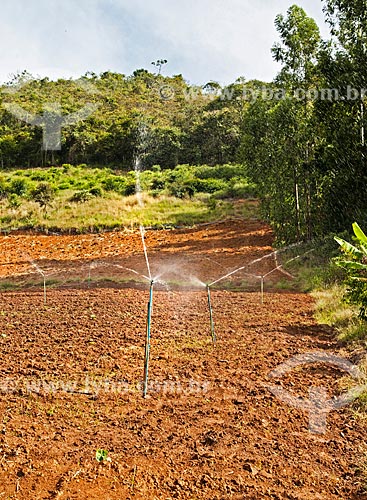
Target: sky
204	40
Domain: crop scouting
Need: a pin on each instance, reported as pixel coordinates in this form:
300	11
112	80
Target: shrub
3	188
158	184
224	172
43	194
39	175
96	191
114	183
14	201
239	188
18	187
182	190
81	196
209	185
130	188
86	194
65	185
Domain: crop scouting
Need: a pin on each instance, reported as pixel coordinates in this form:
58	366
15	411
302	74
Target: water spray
142	234
147	340
212	330
281	269
138	191
39	270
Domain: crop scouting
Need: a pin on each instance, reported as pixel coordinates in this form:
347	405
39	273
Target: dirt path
71	371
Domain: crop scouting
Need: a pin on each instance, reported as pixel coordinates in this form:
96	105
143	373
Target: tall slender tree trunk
296	197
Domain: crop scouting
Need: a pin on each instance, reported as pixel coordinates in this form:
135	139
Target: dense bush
43	194
224	172
3	188
114	183
18	187
209	185
81	196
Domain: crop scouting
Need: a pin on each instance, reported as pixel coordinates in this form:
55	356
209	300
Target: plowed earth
71	373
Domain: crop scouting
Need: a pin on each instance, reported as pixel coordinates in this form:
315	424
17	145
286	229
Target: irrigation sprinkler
211	315
280	268
142	234
147	340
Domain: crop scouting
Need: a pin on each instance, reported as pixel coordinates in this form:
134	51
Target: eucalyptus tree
343	64
281	139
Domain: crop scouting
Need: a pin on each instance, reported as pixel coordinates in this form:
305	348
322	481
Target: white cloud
216	39
202	39
53	38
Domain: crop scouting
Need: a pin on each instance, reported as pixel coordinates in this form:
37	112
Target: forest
301	139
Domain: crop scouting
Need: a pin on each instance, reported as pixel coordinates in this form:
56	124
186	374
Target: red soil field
71	374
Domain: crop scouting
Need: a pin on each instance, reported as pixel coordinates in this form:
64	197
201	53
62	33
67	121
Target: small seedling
102	456
50	412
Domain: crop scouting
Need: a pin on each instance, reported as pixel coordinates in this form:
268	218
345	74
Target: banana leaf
364	247
350	264
348	248
359	233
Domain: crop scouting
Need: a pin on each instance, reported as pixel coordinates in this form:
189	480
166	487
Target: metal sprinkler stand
211	315
147	340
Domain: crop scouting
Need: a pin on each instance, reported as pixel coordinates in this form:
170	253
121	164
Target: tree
159	64
343	65
280	139
43	194
300	41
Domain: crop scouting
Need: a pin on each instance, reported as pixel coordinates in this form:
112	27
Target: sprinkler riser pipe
147	340
44	291
212	330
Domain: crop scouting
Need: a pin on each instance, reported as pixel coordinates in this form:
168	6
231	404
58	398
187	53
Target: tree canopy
301	138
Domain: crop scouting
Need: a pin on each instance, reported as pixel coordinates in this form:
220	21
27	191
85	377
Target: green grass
113	211
333	311
7	285
87	199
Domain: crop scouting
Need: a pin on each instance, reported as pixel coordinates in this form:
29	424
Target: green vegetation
332	310
102	455
83	199
341	299
306	148
331	279
339	286
355	265
301	138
